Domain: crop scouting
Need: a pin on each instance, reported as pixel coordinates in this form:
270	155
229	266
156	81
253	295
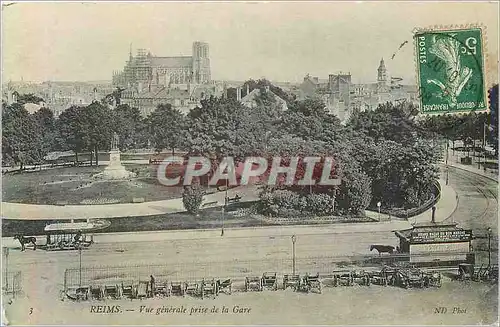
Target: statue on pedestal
115	142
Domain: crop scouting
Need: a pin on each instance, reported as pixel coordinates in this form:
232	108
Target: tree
96	120
129	125
354	193
71	130
21	136
389	122
192	197
29	98
167	126
44	117
310	120
212	129
403	176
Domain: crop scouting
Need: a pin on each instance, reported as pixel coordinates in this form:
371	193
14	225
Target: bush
192	197
272	202
319	204
285	203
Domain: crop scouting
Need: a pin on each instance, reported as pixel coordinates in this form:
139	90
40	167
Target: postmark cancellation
451	63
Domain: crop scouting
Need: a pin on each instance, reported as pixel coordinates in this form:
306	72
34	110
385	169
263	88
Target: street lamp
378	206
489	246
293	253
484	147
80	270
6	252
222	231
223	209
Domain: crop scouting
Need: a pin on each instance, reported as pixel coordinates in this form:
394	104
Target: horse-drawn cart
72	236
291	281
432	278
361	278
192	288
224	286
311	283
343	277
410	277
177	288
270	281
253	283
209	287
163	289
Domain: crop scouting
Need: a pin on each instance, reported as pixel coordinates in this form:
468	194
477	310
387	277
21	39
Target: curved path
43	212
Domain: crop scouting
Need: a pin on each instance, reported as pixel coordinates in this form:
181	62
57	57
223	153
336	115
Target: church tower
201	63
382	78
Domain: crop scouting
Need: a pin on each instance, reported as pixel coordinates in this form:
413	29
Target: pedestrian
152	285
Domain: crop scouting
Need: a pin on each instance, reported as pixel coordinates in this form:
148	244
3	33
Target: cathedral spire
130	53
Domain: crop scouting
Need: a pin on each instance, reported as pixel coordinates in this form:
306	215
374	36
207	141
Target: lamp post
293	253
484	146
222	230
80	270
489	246
6	251
224	209
378	206
447	168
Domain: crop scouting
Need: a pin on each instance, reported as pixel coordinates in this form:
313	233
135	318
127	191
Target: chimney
248	89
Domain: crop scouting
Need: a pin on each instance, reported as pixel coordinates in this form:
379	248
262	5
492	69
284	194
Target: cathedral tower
201	63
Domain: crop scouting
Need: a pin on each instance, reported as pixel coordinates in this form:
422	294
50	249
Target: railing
315	220
197	270
408	213
11	283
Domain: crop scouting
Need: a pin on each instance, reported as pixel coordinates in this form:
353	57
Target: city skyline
279	41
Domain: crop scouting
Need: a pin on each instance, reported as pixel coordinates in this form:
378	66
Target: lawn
75	185
236	215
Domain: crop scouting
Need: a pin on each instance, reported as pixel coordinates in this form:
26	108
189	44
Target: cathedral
148	81
145	71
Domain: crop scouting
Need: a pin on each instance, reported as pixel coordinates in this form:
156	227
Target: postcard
250	163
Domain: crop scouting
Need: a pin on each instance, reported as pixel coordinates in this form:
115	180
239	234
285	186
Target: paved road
239	252
477	200
477	209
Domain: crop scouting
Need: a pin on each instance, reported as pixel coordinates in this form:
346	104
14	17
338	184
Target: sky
281	41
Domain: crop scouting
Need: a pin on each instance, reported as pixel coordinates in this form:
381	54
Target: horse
382	248
26	240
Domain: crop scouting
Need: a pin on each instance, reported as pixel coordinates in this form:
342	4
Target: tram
72	235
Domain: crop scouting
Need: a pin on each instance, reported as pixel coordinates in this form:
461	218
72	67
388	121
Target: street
246	252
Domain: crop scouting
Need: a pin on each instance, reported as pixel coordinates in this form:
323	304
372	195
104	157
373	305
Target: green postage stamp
450	68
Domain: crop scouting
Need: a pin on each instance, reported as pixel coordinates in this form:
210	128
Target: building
58	96
250	99
436	243
341	96
182	97
148	71
181	81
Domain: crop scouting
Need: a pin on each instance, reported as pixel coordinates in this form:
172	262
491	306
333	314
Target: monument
115	169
